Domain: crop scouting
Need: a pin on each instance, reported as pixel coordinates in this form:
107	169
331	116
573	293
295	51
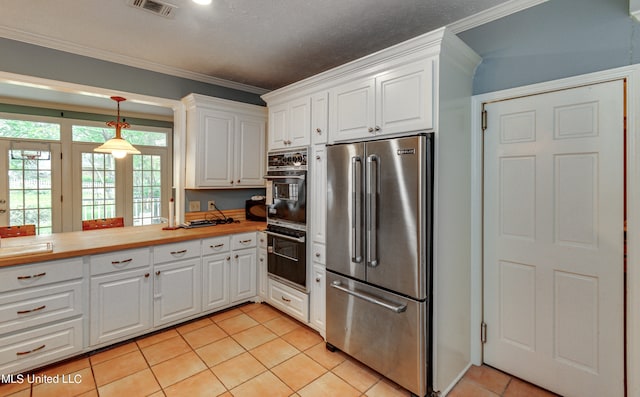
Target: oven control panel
288	160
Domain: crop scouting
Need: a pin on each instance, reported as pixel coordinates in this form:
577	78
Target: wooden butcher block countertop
66	245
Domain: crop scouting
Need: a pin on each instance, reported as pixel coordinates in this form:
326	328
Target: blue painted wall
553	40
31	60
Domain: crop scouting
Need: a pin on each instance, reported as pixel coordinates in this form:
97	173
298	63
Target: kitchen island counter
80	243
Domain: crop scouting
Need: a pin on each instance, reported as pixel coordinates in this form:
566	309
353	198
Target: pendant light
117	146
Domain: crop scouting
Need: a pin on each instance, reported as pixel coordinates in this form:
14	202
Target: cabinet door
216	281
120	305
262	273
299	122
250	153
318	298
352	112
404	98
278	123
319	117
176	291
319	193
243	275
215	149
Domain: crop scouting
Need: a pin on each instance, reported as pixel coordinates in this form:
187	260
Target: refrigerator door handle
356	205
397	308
372	209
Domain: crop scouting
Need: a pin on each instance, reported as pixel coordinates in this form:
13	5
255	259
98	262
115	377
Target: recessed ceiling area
260	45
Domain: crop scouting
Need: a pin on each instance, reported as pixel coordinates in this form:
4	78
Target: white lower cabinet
176	291
318	294
216	281
289	300
120	290
41	313
120	305
243	275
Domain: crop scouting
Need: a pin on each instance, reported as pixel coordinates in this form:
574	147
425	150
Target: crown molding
491	14
61	45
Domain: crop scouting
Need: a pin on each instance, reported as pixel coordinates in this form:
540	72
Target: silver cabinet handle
285	299
318	279
370	129
34	276
372	218
318	131
370	298
356	207
216	246
121	262
317	255
178	252
245	241
377	128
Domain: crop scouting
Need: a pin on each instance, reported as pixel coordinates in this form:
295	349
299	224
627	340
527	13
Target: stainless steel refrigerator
379	243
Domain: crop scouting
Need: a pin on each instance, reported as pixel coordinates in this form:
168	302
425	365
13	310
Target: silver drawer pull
285	299
34	276
32	310
121	262
370	298
216	246
178	252
245	241
30	351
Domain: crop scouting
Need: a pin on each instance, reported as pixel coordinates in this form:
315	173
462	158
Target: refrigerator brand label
406	151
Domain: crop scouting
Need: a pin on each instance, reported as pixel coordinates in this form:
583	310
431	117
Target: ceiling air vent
156	7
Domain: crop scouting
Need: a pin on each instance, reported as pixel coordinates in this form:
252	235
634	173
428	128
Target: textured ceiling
260	43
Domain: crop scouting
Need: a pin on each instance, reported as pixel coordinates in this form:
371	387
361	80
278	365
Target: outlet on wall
211	205
194	206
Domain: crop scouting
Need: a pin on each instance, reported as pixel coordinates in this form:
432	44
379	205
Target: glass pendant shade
117	145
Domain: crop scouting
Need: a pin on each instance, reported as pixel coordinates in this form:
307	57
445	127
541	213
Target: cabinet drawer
289	300
119	260
244	240
34	306
318	253
216	245
17	277
176	251
33	348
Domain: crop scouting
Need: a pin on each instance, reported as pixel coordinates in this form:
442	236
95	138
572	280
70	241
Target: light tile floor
252	350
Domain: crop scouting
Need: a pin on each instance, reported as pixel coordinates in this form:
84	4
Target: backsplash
226	199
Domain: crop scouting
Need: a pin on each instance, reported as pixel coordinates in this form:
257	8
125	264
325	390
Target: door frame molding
632	76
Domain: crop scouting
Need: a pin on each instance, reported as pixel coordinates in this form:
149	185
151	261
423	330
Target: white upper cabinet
290	124
319	117
395	101
225	143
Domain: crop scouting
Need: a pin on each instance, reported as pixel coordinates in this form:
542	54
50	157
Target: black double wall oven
287	218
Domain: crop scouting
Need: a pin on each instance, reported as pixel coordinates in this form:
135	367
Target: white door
243	275
177	292
553	239
250	152
30	185
352	110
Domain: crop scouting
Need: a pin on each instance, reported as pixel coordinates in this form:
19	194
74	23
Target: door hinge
483	332
484	120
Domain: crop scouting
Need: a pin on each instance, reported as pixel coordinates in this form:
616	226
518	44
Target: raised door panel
319	194
300	122
262	273
404	98
120	305
319	118
318	317
352	110
176	291
243	275
216	281
215	149
278	124
250	153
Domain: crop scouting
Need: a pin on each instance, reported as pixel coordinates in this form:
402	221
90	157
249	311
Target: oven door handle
285	177
284	236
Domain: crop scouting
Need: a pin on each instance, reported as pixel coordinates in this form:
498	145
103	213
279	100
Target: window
98	186
147	189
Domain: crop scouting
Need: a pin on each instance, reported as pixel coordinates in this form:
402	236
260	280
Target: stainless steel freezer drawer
385	331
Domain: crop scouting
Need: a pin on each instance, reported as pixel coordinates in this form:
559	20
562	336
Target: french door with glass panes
30	192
